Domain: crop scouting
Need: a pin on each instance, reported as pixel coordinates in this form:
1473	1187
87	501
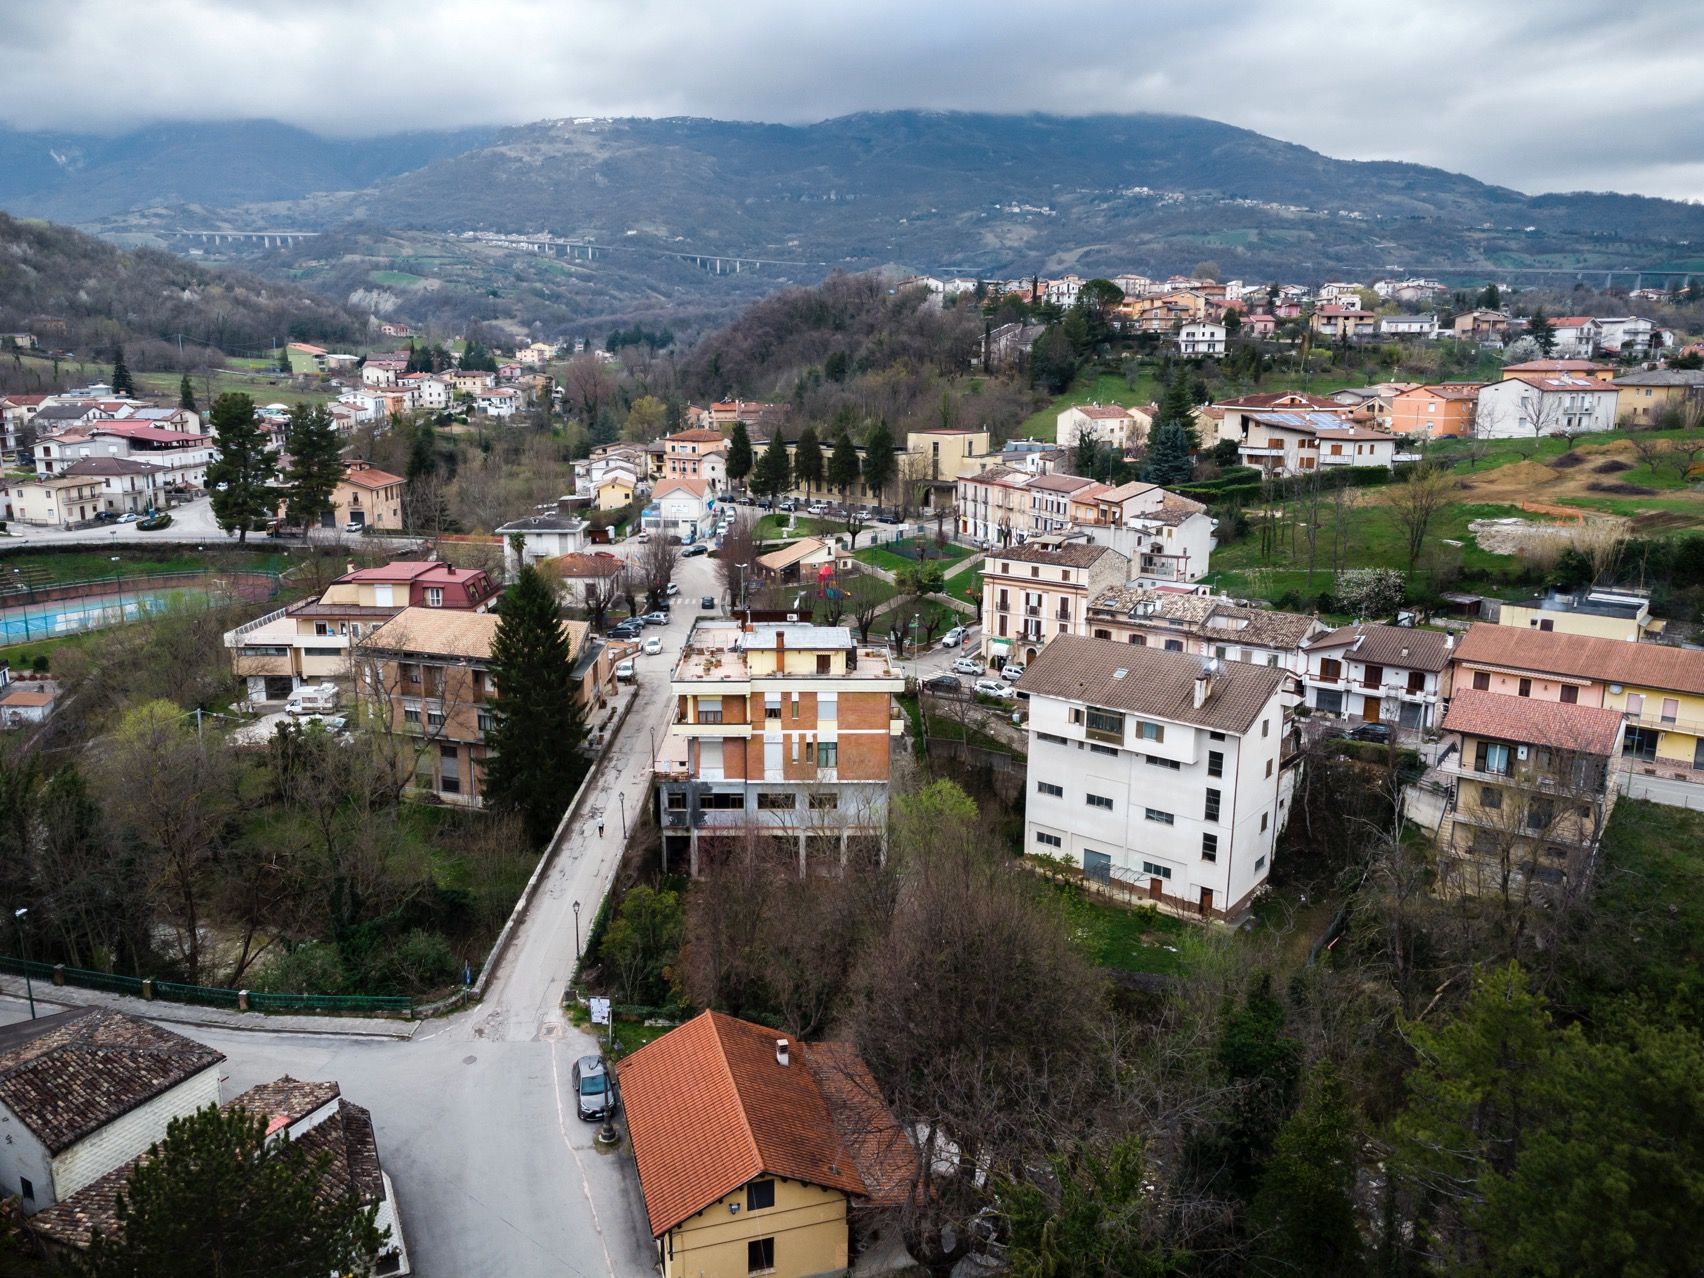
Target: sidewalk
58	998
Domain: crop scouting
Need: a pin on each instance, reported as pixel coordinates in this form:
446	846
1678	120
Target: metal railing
206	995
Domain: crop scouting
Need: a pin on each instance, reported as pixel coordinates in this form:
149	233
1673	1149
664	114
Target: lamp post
24	958
576	929
743	597
622	796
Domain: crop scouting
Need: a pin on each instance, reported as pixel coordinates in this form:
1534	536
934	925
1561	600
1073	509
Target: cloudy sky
1537	94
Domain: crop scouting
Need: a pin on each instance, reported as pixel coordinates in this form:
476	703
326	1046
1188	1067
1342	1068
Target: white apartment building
1376	673
1201	338
1526	407
430	391
502	401
1167	538
993	507
1294	443
1032	594
1160	772
1108	424
1203	624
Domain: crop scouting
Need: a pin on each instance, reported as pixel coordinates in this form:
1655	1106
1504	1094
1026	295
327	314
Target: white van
312	698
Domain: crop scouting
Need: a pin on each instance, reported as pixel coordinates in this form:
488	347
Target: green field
395	279
1129	938
884	557
260	387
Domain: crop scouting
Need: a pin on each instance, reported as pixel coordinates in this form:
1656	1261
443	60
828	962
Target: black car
698	548
887	519
707	603
943	683
594	1089
1378	733
628	629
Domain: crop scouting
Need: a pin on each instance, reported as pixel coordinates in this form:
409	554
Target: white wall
21	1154
126	1137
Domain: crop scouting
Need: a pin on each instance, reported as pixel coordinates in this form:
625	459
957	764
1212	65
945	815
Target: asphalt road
495	1174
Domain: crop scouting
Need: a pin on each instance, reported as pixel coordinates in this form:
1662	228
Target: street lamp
576	929
622	796
24	958
742	602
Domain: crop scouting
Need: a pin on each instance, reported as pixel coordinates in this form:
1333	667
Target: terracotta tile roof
1400	647
1556	724
1107	412
710	1108
886	1159
1075	554
1647	665
1272	399
574	566
1060	483
1151	682
698	437
344	1138
1124	492
69	1074
694	486
1449	390
370	477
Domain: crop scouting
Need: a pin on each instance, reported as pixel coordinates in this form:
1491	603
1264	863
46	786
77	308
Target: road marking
585	1184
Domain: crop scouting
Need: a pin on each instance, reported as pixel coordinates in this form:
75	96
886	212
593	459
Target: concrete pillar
242	1000
148	988
803	868
59	973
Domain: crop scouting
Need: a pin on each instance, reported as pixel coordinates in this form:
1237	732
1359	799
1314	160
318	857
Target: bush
314	968
419	962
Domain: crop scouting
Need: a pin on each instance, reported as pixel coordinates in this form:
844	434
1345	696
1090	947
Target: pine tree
1542	331
843	466
186	395
239	477
879	465
807	459
121	383
739	453
534	759
316	464
1304	1211
219	1196
774	473
1168	456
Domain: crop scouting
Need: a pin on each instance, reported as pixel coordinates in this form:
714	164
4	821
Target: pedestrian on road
600	829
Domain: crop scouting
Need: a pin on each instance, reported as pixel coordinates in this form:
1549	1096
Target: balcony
1249	450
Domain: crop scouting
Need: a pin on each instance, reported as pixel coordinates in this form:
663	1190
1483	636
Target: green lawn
884	557
1098	388
261	387
1128	938
774	527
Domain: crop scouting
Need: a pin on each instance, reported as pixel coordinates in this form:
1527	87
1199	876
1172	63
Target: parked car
943	683
887	519
106	516
335	724
967	665
156	521
594	1089
1375	732
817	508
644	538
355	526
128	517
653	647
658	618
953	638
1013	670
690	551
628	629
673	589
624	671
994	688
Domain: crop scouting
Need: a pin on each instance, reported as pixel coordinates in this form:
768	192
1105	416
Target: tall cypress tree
121	383
239	477
535	758
879	465
843	467
739	453
316	464
774	473
186	395
807	459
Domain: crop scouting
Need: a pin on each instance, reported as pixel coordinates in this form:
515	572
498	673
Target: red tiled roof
1109	412
698	437
1556	724
709	1108
1646	665
370	477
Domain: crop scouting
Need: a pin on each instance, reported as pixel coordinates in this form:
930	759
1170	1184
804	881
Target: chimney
348	565
781	1055
1204	682
780	647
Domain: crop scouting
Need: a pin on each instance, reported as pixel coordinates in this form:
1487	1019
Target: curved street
495	1174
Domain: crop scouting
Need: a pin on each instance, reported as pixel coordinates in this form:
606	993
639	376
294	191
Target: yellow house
1602	614
751	1148
615	490
1646	398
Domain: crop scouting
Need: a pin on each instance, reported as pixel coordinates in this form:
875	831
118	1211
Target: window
760	1255
709	710
1260	863
760	1194
434	596
1155	815
775	802
1104	749
1105	724
1215	736
1266	727
1154	871
828	707
1263	823
1210	810
1156	761
1098	801
828	753
322	652
1215	763
1102	633
1048	788
1155	732
1174	645
1049	840
1076	715
1051	739
1635	702
485	720
1490	797
1209	847
1570	695
1671	708
1524	689
1489	756
26	1189
1269	767
434	719
1481	681
410	715
824	802
322	629
772	706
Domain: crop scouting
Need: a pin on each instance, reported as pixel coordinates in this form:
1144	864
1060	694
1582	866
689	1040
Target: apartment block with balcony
1295	443
1376	673
314	640
1658	691
781	732
1159	773
1531	789
1036	592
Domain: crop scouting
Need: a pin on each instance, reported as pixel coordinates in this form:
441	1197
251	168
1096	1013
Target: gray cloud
1562	95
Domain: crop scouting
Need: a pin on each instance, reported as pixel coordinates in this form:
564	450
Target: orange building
1442	409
